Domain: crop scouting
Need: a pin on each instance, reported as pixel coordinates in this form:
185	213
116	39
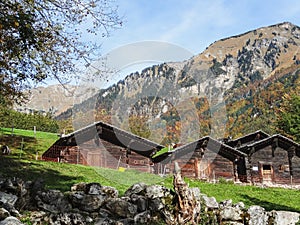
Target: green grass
162	151
269	198
62	176
25	143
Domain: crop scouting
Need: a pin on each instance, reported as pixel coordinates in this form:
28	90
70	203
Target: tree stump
187	210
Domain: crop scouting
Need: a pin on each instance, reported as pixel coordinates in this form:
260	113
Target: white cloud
199	17
196	24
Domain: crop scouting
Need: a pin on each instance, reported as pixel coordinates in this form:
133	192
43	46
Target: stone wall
26	202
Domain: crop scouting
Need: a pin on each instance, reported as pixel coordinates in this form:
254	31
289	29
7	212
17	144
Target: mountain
55	99
234	87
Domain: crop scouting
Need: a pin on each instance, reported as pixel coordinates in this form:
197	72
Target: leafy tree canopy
42	39
289	117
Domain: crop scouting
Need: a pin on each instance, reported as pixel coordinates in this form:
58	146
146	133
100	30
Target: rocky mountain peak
183	94
55	99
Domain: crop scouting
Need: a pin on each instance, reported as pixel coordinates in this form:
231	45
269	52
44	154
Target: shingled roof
111	134
276	140
230	149
247	139
207	142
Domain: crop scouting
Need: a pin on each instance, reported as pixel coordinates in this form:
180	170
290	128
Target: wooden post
22	145
78	153
235	174
248	166
34	131
12	129
291	154
119	161
197	170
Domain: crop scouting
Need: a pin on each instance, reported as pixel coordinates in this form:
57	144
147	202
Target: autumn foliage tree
289	117
42	39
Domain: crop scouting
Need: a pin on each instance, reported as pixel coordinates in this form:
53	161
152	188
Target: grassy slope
269	198
25	143
63	176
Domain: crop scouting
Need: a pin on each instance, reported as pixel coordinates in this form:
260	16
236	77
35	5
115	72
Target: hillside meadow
22	163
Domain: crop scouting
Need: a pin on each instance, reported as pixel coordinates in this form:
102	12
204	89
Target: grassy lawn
25	143
62	176
269	198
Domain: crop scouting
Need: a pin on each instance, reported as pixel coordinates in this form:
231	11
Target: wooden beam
248	165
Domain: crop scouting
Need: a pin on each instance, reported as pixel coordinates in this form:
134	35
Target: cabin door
267	172
204	170
94	159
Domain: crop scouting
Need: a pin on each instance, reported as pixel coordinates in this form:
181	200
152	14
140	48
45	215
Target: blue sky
189	24
194	24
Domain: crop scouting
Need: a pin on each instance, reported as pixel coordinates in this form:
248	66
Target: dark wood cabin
207	159
256	157
275	159
104	145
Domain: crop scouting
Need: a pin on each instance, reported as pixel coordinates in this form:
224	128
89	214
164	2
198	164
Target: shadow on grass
15	141
269	206
29	171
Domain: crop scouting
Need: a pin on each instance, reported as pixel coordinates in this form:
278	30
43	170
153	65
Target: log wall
273	166
210	166
103	155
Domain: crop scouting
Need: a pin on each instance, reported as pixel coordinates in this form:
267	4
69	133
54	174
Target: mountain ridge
238	72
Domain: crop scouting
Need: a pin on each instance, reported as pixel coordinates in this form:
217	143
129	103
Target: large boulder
8	199
121	208
8	202
53	201
156	191
143	218
140	201
210	202
3	214
231	214
86	202
11	221
138	188
89	197
257	215
284	217
109	192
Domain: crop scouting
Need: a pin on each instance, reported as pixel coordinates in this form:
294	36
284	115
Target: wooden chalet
207	159
254	158
104	145
275	159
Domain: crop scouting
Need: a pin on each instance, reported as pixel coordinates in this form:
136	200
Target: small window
281	168
284	168
266	167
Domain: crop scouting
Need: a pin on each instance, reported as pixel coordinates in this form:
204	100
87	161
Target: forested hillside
237	85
